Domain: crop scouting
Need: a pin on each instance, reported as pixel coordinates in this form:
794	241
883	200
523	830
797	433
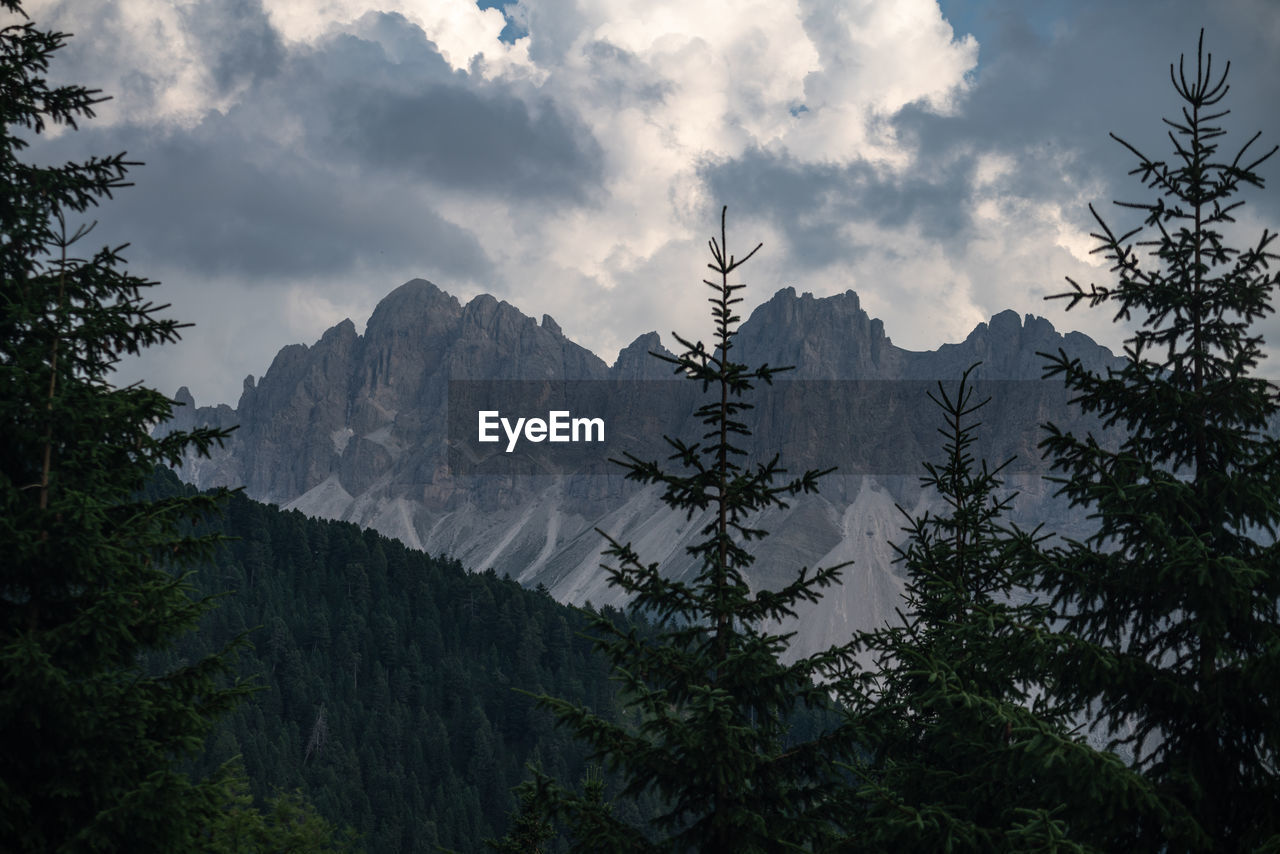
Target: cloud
203	203
462	31
813	202
994	184
238	45
939	159
451	136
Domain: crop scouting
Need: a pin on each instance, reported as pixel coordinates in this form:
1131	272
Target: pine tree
90	737
289	823
710	700
962	753
530	831
1170	606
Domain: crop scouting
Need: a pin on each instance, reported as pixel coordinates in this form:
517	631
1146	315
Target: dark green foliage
962	755
1171	606
530	832
288	823
391	678
709	702
89	737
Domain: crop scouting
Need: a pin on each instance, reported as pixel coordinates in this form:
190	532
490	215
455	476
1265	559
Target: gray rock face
823	339
354	427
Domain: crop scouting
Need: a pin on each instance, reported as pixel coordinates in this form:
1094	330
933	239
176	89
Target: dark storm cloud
460	139
200	203
390	102
237	40
377	121
1048	91
813	202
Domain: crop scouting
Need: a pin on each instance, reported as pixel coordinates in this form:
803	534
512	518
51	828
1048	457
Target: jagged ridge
353	428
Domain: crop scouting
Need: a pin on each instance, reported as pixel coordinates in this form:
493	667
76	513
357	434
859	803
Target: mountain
378	429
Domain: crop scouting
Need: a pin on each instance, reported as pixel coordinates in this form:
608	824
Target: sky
303	158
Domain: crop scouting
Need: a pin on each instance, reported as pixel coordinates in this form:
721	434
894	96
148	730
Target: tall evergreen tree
710	700
530	831
962	753
1170	606
89	737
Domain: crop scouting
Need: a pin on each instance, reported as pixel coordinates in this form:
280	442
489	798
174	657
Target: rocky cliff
355	427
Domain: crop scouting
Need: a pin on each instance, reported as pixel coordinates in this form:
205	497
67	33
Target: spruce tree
963	754
288	823
529	831
709	700
1169	608
90	737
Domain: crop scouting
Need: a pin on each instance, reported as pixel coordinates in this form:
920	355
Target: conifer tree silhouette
964	753
92	735
1169	609
710	699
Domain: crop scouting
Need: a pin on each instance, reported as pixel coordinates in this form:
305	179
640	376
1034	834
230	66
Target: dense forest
395	686
396	689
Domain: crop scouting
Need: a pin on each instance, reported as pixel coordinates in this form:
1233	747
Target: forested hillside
389	678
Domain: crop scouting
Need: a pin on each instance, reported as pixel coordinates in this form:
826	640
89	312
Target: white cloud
667	90
665	87
461	30
146	54
142	55
875	58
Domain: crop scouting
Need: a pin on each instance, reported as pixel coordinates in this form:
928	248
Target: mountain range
373	429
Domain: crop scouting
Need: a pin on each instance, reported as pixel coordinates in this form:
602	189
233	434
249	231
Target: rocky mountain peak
417	307
415	293
1008	345
343	332
1028	330
498	319
1006	323
184	411
822	337
635	361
